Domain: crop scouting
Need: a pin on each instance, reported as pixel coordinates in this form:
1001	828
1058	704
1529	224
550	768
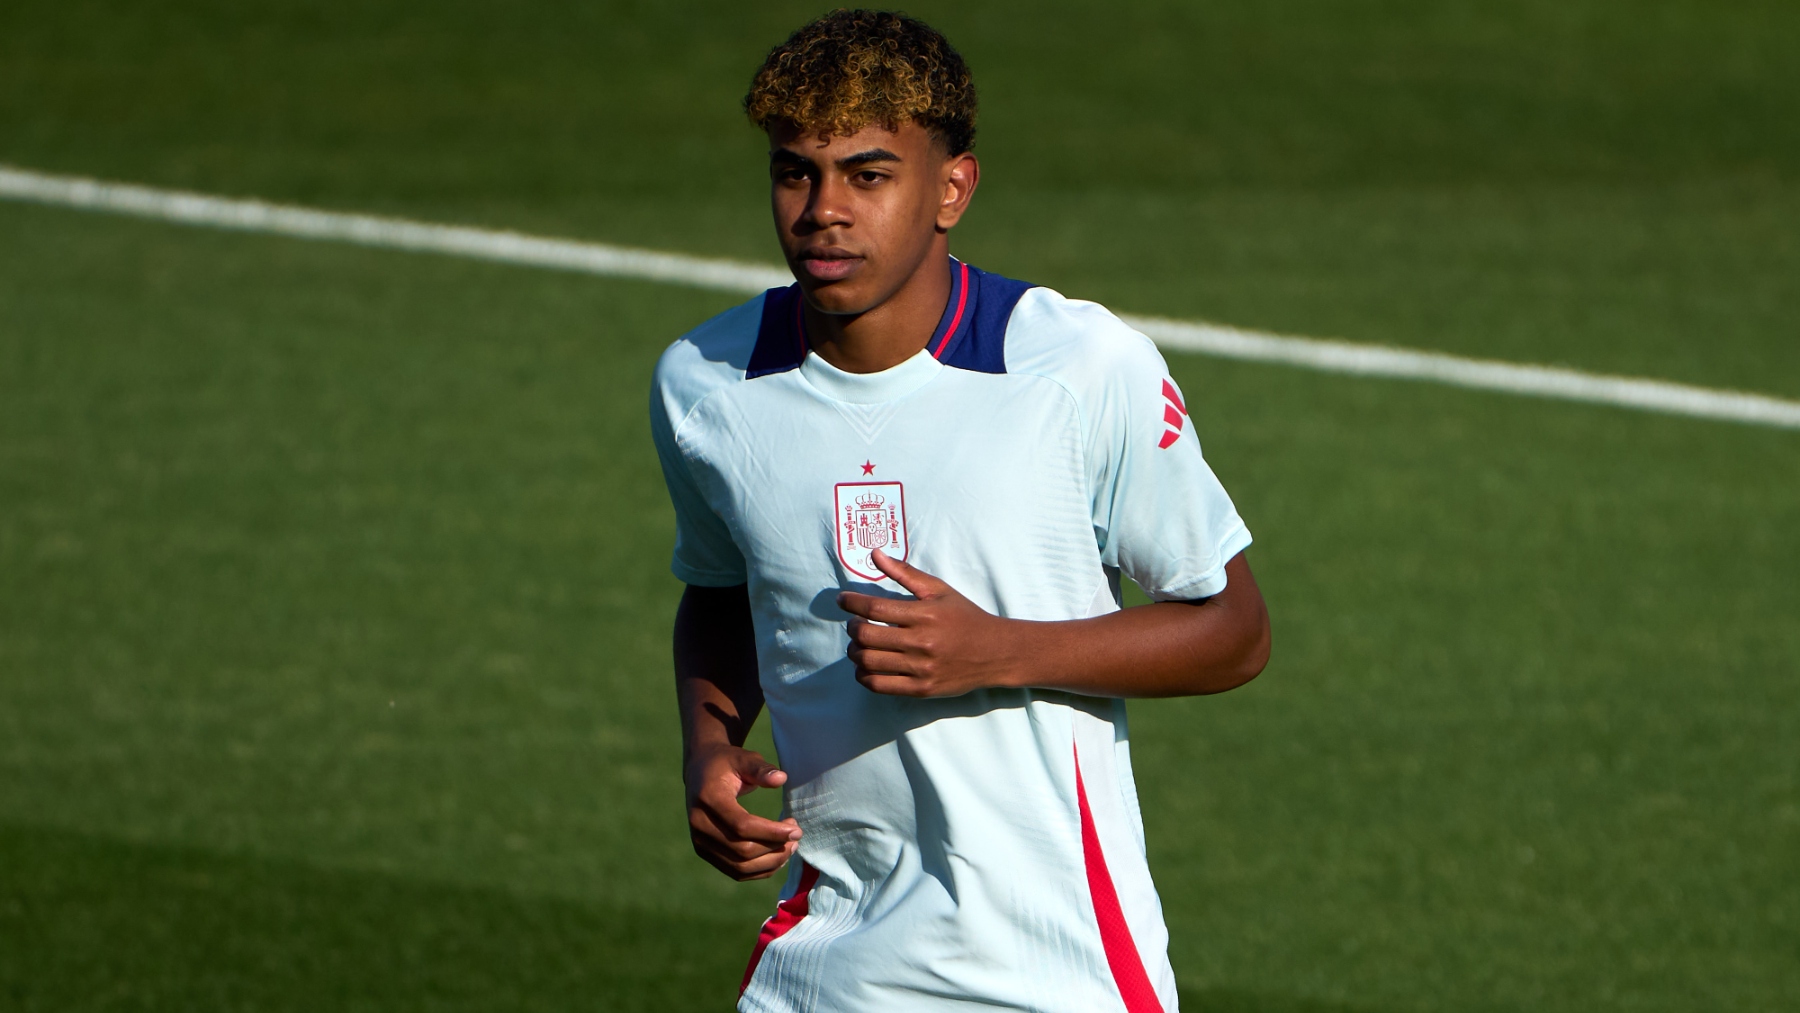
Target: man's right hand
737	842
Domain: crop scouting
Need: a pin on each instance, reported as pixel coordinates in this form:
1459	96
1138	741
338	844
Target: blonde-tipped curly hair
849	69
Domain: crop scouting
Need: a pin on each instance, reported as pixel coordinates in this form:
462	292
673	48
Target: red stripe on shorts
787	915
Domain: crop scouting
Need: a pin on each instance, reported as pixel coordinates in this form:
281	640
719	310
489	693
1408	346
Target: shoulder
709	358
1079	344
995	324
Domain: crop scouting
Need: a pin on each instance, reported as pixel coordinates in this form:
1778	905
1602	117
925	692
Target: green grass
94	922
1610	186
334	612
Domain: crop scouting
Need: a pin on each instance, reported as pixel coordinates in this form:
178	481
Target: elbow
1244	624
1255	641
1261	643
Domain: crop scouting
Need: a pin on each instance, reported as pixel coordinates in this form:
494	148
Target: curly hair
852	68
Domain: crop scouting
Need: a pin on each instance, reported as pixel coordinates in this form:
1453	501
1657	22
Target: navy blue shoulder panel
780	341
972	335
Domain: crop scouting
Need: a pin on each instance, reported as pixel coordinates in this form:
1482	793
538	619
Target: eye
870	177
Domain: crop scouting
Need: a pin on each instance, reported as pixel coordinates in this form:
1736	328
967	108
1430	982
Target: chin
842	298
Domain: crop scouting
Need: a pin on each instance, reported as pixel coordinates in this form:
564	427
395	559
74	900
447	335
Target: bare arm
720	696
943	644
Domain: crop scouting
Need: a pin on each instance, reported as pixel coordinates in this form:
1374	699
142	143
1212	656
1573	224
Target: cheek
931	200
877	219
788	203
903	221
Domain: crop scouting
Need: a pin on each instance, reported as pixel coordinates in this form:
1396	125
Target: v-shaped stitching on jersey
867	420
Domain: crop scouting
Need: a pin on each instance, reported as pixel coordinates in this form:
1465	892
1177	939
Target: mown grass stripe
734	276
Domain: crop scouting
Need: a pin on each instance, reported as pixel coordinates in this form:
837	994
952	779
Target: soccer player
905	491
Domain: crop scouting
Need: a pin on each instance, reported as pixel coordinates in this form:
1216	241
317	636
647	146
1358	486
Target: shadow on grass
1232	1001
95	924
90	923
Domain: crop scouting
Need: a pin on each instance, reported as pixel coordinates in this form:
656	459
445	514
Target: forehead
910	141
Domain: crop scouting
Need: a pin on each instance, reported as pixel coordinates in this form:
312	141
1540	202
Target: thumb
757	772
920	584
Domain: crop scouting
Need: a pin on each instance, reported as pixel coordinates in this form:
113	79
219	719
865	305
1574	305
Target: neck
894	331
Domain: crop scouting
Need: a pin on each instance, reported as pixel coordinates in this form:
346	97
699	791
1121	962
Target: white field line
735	276
1483	374
393	233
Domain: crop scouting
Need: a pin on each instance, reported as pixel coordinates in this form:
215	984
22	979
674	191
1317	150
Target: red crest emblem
869	516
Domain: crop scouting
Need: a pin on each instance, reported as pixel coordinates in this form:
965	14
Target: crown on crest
869	501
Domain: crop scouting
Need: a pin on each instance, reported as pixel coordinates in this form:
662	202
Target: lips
830	264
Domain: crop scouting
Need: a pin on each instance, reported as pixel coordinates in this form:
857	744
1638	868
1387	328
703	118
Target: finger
886	662
878	637
893	685
739	860
922	585
737	823
761	867
709	843
709	838
891	611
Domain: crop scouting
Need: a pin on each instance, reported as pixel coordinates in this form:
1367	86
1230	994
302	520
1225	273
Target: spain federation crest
870	516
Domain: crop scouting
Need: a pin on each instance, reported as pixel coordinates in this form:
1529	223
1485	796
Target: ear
961	174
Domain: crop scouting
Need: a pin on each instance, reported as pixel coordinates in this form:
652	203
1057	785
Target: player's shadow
91	922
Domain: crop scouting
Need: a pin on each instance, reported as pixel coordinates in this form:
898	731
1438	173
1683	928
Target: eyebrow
786	156
866	157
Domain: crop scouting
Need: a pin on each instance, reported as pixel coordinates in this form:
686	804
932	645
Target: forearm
711	716
720	696
716	684
1161	649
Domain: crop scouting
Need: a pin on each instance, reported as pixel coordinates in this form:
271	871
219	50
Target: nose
829	203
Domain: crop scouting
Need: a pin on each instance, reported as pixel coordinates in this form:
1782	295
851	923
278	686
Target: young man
905	490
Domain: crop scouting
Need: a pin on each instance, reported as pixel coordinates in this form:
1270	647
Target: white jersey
984	851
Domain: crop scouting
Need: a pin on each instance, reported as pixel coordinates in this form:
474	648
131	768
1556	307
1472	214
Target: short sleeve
705	553
1160	514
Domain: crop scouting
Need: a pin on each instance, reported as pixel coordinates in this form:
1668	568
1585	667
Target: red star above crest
868	469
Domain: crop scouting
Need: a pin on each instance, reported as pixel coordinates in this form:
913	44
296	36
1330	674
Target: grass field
333	590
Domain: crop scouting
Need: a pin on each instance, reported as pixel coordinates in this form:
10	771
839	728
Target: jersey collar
870	388
959	339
